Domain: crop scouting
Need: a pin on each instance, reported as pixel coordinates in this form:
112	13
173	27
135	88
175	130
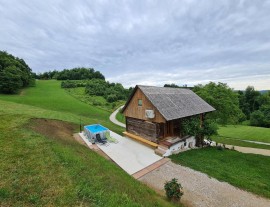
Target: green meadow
40	170
235	134
247	171
48	100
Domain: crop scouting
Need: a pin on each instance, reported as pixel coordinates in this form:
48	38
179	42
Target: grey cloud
146	42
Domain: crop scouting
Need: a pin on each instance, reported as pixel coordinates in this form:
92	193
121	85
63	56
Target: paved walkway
201	190
130	155
250	150
114	120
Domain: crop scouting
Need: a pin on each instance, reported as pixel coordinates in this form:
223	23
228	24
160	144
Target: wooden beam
141	139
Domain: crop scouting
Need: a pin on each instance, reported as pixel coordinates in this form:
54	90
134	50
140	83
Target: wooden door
168	131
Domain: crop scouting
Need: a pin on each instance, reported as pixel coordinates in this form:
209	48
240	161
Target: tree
78	74
252	98
173	85
96	87
192	126
10	80
223	99
261	117
14	73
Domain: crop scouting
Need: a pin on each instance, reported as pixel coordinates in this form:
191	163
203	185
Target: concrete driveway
130	155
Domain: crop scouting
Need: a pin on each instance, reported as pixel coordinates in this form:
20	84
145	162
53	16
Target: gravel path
114	120
200	190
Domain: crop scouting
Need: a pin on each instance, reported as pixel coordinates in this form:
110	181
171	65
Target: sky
144	42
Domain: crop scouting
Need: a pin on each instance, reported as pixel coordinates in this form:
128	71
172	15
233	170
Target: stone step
164	147
160	152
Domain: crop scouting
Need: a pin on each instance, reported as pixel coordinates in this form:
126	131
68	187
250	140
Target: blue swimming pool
91	132
96	128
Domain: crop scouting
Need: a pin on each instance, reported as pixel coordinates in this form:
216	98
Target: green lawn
48	100
49	95
120	117
247	171
246	132
36	170
40	171
233	134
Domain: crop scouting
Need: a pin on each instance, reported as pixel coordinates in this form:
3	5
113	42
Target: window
139	102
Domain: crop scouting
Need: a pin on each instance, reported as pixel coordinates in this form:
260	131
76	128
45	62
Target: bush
173	190
219	147
15	74
261	117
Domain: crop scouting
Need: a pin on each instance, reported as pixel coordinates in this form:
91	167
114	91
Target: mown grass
120	117
38	171
235	134
48	100
49	95
247	171
245	133
239	142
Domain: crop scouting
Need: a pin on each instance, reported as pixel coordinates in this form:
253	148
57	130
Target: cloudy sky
144	42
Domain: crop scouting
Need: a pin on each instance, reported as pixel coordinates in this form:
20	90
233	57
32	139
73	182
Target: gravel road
201	190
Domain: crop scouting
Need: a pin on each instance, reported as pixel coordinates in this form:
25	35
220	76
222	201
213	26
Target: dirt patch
55	129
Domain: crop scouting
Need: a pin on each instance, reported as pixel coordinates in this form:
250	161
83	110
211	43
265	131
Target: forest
79	73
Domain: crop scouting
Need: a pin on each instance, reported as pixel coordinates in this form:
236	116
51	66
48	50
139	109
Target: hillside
42	165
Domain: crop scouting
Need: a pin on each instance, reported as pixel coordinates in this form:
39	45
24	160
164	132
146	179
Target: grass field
36	170
40	170
48	100
233	134
247	171
97	101
120	117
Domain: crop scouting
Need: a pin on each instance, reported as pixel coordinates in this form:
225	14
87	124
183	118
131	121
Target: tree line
15	74
234	107
79	73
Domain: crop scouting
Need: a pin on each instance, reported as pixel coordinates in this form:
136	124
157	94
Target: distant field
247	171
48	100
97	101
246	132
233	134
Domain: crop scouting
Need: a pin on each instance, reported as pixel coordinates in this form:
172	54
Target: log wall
148	130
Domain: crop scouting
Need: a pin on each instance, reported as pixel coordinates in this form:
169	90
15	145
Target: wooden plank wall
138	112
145	129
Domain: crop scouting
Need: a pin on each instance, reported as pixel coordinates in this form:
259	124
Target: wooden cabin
155	113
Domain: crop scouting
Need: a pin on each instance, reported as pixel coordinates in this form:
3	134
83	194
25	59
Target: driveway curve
114	120
200	190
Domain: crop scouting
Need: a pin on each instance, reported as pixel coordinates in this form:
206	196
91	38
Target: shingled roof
174	103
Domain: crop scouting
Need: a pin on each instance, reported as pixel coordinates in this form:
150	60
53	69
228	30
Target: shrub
173	190
219	147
